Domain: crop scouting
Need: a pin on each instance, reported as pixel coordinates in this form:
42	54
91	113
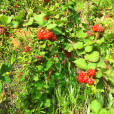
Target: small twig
71	42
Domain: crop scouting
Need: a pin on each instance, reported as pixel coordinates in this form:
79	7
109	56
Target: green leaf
103	111
39	19
78	45
91	65
7	79
14	24
95	106
30	13
93	57
80	34
99	74
111	111
101	64
48	65
19	17
81	63
51	26
5	19
100	41
30	22
12	59
47	103
56	31
88	48
5	68
112	73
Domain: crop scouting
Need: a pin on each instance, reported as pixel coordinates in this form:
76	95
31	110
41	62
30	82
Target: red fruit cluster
85	77
26	49
96	28
46	0
45	34
67	54
91	72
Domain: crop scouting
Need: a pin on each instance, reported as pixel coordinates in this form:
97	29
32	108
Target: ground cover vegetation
56	56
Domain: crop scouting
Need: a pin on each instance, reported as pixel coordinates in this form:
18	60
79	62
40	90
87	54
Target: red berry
53	38
49	45
90	81
2	30
47	35
16	6
3	12
39	35
91	72
105	61
26	49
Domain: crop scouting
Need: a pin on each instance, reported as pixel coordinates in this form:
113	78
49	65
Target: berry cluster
85	77
96	28
2	30
46	0
45	34
26	49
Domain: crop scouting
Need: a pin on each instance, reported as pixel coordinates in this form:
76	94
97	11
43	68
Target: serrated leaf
101	64
100	41
80	34
99	74
93	57
47	103
14	24
78	45
30	13
81	63
91	65
95	106
88	48
39	19
51	26
56	31
5	19
30	22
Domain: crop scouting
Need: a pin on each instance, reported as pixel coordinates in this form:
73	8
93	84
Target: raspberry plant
62	64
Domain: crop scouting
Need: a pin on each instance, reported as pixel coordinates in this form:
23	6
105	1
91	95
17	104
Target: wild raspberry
53	38
2	12
46	18
90	81
105	61
89	33
39	35
46	0
101	29
47	35
26	49
16	6
1	30
82	77
91	72
95	28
